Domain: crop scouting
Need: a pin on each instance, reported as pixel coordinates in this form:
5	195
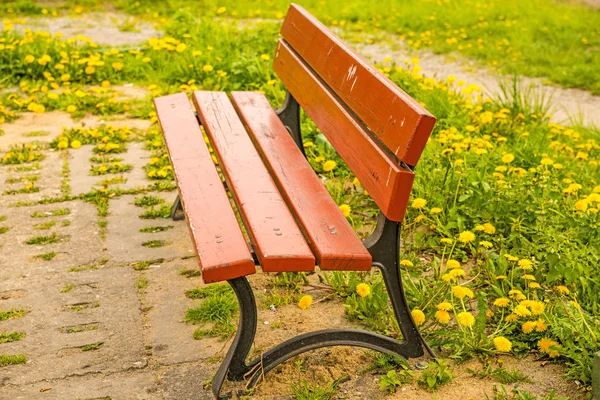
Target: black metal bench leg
177	210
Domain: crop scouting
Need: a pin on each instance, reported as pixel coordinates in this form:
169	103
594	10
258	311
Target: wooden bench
291	221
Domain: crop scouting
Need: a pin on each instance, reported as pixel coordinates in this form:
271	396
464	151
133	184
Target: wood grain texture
334	243
398	120
220	245
387	183
278	242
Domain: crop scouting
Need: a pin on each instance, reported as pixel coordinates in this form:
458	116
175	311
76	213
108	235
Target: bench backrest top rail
399	121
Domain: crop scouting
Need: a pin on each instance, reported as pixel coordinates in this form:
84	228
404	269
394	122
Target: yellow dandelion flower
75	144
181	47
71	108
528	326
534	285
525	264
466	237
562	289
363	289
503	345
457	273
435	210
329	165
514	292
407	263
418	203
117	66
345	208
207	68
418	316
501	277
501	302
537	307
465	318
221	10
486	244
444	306
442	316
582	205
461	291
445	241
522	311
309	144
29	59
512	318
90	69
451	264
540	325
265	57
507	158
548	346
305	302
489	228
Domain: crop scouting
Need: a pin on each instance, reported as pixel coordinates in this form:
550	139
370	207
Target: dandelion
534	285
562	289
29	59
507	158
305	302
75	144
451	264
435	210
71	108
207	68
181	47
540	325
265	57
90	69
522	311
444	306
442	316
418	316
466	237
117	66
329	165
221	10
146	59
457	273
582	205
503	345
445	241
419	203
345	209
501	302
548	346
407	263
525	264
528	326
465	318
489	228
461	291
501	277
363	289
486	244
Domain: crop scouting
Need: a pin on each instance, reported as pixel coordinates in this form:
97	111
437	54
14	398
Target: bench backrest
377	129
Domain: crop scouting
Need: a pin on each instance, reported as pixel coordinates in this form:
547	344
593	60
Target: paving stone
129	386
104	298
124	239
186	382
171	338
80	241
83	182
49	181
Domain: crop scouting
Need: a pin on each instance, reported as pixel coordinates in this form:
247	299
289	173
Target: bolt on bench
291	220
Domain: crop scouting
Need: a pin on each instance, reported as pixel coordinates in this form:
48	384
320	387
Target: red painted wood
401	123
220	245
334	243
278	242
387	183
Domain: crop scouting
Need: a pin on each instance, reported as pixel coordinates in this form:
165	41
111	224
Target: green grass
12	313
52	213
190	273
156	243
68	287
148	201
45	225
45	240
92	346
79	328
209	291
7	337
46	256
82	306
143	265
4	229
154	213
7	359
155	229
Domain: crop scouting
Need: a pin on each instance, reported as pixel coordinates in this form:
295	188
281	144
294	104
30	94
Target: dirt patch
109	28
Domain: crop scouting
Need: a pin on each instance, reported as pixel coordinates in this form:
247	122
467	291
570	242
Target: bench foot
235	368
177	213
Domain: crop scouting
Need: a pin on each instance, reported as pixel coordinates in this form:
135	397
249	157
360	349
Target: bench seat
289	218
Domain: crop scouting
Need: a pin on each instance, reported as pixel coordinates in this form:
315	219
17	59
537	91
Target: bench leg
177	210
235	368
289	114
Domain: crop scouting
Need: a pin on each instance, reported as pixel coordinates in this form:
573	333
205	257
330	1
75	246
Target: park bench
291	221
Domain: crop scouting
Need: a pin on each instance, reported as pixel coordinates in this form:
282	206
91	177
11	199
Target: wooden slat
278	242
220	245
387	183
401	123
334	243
